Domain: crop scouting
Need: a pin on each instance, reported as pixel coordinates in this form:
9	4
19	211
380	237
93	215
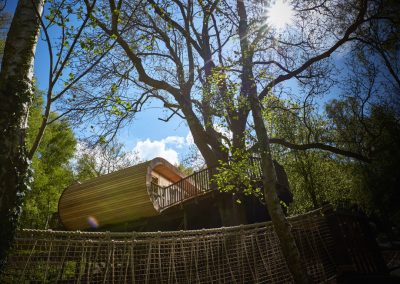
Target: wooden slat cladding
113	198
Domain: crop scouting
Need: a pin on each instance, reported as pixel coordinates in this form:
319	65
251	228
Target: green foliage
185	170
51	170
315	176
238	175
86	167
376	134
102	159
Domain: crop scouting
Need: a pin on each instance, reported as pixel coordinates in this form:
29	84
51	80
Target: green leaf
114	88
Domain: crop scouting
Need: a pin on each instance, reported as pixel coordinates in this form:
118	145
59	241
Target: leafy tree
239	175
315	176
366	119
171	61
51	168
16	93
63	52
367	128
86	167
102	159
376	133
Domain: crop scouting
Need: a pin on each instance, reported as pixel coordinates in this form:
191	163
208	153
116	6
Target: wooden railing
192	186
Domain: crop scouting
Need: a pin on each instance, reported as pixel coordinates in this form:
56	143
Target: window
154	179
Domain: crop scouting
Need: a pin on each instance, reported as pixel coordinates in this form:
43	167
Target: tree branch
320	146
352	28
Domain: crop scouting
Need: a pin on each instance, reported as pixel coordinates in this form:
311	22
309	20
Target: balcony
192	186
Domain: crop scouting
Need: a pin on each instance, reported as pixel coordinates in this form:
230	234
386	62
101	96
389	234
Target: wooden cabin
154	196
122	196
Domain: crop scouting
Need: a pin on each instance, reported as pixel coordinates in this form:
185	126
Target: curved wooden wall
113	198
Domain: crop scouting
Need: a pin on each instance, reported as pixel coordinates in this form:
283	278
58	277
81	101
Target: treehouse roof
117	197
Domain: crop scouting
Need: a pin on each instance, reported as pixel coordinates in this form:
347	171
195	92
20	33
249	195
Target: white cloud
174	140
149	149
189	139
169	148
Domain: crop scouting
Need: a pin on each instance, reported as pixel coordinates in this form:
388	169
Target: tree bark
270	180
15	98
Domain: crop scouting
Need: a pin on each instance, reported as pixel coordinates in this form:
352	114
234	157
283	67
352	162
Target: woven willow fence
242	254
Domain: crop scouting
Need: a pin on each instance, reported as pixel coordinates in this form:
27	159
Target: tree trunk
270	180
15	97
281	225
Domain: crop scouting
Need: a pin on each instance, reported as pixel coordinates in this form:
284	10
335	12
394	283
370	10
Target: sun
280	14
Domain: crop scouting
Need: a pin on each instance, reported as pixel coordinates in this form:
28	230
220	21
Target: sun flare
280	14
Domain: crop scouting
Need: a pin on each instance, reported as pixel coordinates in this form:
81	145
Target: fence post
196	185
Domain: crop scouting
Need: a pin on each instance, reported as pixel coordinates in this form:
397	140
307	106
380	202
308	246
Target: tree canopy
51	168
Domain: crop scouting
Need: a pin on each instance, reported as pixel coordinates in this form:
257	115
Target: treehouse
154	195
125	195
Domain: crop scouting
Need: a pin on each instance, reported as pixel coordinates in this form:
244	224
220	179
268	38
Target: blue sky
146	135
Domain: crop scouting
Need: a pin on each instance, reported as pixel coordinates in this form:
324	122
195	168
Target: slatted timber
113	198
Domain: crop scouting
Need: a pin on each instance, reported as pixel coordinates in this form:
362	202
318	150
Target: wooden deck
191	187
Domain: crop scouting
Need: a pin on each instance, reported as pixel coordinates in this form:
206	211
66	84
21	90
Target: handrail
191	186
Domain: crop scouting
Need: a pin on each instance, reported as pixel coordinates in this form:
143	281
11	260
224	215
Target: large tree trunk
270	181
281	225
15	97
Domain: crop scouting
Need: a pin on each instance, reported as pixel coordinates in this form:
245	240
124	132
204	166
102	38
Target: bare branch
320	146
352	28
